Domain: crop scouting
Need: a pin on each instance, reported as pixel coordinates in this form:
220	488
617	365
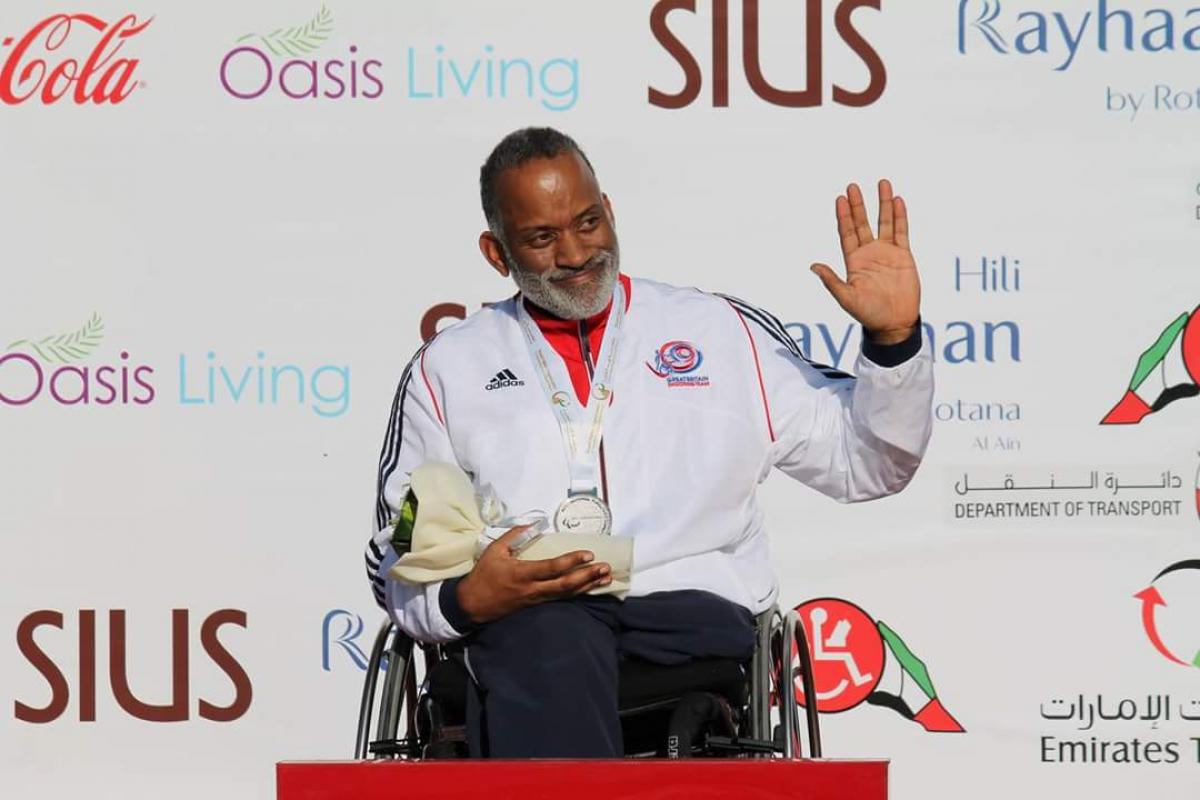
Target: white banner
225	226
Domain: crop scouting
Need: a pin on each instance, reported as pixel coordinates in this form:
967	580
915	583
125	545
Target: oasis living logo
63	369
40	63
1007	28
303	63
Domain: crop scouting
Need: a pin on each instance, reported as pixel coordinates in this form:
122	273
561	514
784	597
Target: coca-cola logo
39	65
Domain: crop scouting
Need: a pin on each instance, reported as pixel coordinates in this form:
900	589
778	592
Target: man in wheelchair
634	408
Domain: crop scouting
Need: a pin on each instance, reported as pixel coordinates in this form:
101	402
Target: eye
541	240
590	222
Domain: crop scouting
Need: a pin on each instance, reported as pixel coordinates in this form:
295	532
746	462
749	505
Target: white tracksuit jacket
684	453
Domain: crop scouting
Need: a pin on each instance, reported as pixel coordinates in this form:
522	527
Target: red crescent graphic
1191	346
1150	600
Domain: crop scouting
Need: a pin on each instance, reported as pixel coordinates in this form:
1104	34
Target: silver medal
583	513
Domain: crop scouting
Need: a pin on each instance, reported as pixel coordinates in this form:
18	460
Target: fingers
901	222
511	534
858	211
505	543
846	232
837	287
551	568
573	583
603	580
885	211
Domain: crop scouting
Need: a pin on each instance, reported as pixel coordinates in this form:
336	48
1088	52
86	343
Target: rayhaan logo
503	380
341	628
991	26
340	632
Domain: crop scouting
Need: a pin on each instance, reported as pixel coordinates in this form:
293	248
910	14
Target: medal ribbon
581	427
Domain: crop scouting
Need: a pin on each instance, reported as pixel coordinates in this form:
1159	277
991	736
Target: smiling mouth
575	278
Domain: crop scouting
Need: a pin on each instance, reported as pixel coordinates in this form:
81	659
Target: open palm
882	289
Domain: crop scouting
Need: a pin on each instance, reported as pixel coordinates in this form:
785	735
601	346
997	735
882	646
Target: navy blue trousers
546	676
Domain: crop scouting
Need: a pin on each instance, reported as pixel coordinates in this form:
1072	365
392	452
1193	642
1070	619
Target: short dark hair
514	150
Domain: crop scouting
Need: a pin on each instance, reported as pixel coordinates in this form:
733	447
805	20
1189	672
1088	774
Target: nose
571	252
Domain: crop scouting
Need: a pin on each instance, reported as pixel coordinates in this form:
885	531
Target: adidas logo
504	379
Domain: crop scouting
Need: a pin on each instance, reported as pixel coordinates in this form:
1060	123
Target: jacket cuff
450	608
892	355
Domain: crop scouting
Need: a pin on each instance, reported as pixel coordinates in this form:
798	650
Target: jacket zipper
586	351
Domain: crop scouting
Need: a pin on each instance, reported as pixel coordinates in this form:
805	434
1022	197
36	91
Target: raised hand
881	290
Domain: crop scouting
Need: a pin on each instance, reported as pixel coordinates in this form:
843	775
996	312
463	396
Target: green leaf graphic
298	40
65	348
908	660
1158	351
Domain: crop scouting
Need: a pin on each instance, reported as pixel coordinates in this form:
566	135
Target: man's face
559	241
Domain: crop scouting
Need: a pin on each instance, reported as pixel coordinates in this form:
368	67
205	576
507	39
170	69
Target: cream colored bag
450	527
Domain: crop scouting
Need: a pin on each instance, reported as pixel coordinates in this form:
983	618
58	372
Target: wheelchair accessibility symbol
847	653
850	654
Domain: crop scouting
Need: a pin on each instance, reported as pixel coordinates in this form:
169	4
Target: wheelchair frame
777	634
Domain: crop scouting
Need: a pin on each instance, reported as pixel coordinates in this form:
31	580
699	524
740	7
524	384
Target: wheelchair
706	708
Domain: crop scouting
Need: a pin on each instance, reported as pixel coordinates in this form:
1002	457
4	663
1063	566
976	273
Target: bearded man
644	410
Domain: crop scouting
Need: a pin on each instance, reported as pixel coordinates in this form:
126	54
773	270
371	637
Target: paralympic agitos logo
41	63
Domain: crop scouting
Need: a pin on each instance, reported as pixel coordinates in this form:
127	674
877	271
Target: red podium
760	779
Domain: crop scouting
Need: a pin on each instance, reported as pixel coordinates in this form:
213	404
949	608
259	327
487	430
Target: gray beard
577	303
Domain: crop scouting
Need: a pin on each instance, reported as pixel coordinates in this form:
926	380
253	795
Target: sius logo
101	78
285	62
813	93
47	664
984	23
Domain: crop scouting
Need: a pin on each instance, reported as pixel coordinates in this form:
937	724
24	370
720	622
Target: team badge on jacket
677	362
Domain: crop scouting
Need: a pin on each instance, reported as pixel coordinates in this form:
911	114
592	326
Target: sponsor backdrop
225	227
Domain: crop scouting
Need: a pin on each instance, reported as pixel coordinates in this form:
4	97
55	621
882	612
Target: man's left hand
881	290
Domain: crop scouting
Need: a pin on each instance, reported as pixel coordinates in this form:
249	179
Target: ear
489	245
612	219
